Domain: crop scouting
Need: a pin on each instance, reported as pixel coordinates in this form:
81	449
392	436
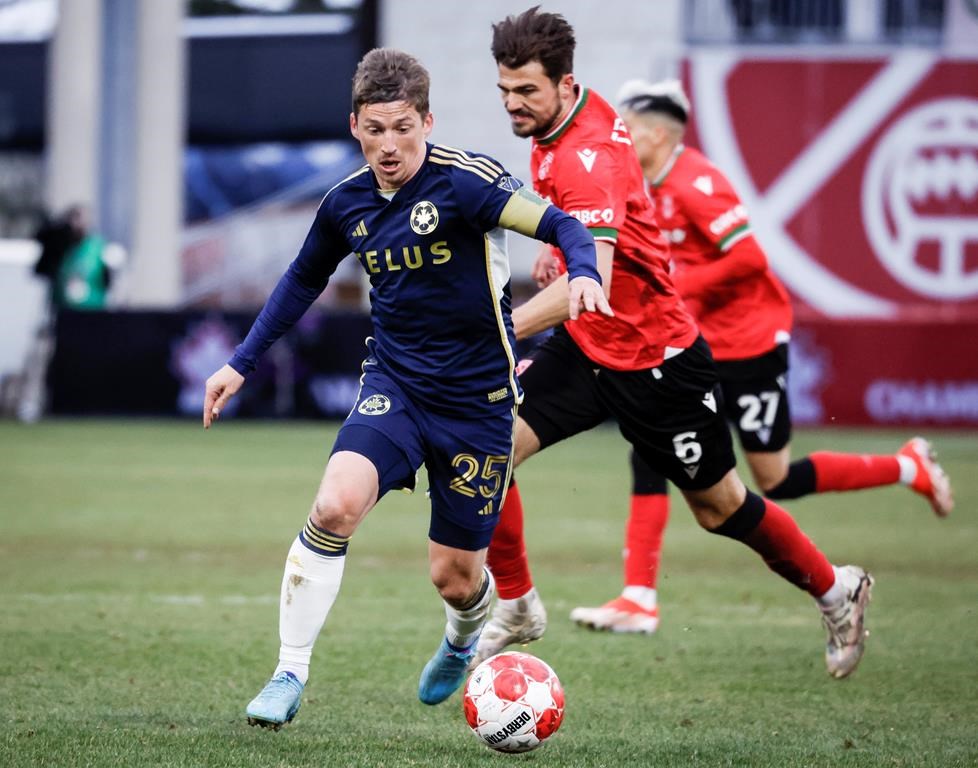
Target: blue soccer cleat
444	673
277	703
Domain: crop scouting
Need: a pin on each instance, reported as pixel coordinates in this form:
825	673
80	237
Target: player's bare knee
768	483
335	513
455	588
713	506
769	470
709	516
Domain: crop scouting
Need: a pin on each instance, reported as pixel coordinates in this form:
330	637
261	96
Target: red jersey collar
676	152
557	132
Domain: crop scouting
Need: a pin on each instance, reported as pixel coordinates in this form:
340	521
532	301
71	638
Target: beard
535	127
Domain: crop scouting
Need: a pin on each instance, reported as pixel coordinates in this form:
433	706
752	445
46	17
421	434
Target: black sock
800	481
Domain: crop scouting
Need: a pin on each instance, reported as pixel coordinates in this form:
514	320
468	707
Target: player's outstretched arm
219	389
581	288
552	305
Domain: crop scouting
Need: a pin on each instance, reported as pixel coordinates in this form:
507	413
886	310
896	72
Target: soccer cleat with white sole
931	481
845	624
618	615
444	673
522	620
277	703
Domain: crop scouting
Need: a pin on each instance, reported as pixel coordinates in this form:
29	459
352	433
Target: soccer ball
513	702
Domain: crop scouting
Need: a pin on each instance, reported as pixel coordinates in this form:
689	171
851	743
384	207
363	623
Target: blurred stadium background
140	559
202	134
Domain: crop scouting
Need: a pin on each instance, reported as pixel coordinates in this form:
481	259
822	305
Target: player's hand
586	293
546	268
219	389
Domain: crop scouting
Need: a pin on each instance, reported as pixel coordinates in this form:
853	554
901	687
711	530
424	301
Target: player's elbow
749	257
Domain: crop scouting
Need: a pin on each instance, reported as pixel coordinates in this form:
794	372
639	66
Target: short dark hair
659	104
535	36
385	75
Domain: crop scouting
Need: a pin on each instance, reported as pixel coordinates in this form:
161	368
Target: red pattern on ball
507	684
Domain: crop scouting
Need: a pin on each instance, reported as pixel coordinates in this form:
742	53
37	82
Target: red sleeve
744	259
713	207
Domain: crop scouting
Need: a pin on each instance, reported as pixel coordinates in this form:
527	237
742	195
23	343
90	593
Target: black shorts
755	395
672	415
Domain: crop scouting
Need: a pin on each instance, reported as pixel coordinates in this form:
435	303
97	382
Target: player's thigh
525	442
755	397
673	418
348	490
561	396
384	427
469	464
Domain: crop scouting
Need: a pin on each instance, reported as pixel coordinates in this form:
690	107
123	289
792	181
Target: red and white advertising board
861	177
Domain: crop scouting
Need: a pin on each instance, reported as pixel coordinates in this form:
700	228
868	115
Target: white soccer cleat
845	624
931	481
618	615
512	621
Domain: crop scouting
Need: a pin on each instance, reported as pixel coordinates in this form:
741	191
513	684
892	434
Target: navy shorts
469	461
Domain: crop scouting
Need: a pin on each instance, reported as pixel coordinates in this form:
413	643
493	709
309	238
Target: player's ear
661	132
565	86
353	126
427	123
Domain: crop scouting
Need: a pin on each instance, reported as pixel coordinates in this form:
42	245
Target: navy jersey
435	253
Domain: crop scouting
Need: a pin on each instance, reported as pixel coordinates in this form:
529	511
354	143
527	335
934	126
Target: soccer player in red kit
647	366
744	313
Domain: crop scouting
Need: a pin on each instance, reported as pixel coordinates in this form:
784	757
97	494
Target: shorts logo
375	405
710	401
497	395
424	217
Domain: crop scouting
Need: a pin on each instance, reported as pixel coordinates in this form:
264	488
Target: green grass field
139	572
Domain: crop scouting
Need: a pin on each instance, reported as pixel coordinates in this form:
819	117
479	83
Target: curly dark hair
386	74
535	36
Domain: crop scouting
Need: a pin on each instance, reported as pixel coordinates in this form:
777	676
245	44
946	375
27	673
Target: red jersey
586	166
745	313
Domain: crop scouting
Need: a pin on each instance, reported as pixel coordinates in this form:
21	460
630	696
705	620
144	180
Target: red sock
851	471
789	552
507	550
643	538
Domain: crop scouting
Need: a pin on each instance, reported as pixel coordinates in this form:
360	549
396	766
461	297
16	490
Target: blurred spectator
72	260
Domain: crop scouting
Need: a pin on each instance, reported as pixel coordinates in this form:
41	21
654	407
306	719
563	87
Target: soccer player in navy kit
439	388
